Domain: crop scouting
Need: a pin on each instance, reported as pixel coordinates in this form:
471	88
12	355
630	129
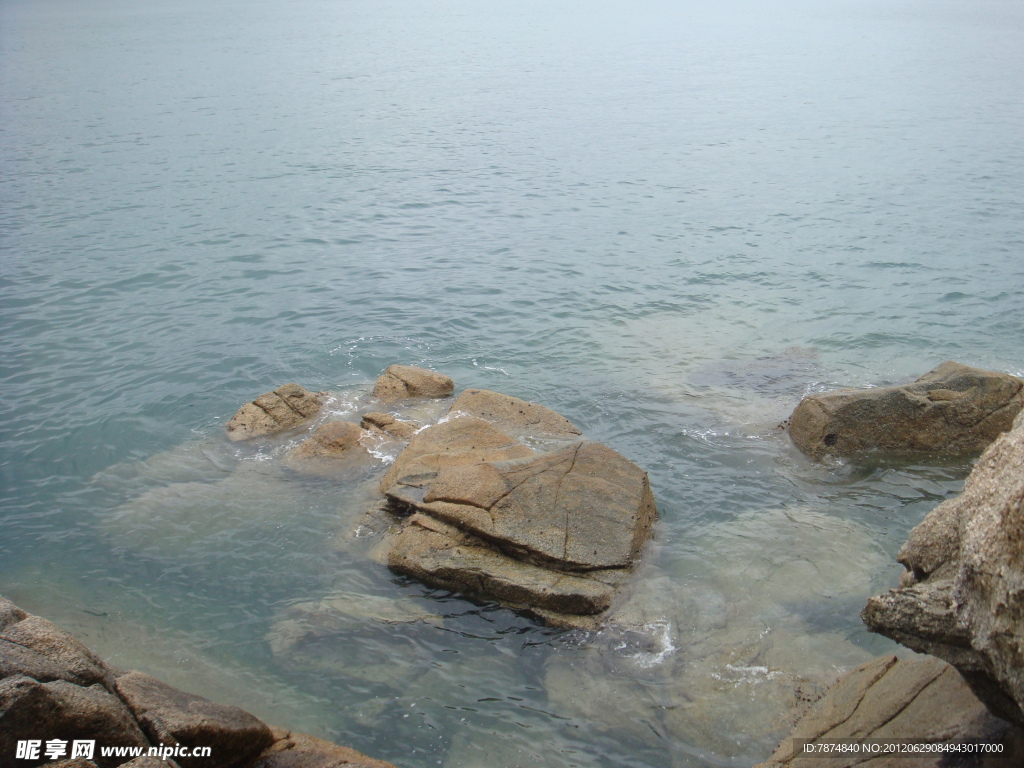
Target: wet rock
173	717
285	407
457	441
960	597
62	710
334	447
512	415
952	410
389	425
401	381
920	700
298	750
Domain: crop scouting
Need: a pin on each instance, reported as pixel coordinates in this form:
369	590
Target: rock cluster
954	410
962	595
53	688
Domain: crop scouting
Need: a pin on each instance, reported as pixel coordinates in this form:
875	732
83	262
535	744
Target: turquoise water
667	221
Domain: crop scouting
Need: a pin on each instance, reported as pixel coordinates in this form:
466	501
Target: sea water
668	221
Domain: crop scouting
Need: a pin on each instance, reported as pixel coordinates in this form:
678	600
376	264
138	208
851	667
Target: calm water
667	221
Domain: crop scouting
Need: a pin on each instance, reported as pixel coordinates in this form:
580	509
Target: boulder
512	415
389	425
62	710
401	381
285	407
36	648
960	597
173	717
921	700
952	410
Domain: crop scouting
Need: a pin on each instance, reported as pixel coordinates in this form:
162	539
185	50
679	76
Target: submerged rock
920	700
389	425
961	596
512	415
334	447
402	381
952	410
272	412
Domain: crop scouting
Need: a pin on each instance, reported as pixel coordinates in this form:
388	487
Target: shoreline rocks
53	688
281	409
953	410
402	381
961	597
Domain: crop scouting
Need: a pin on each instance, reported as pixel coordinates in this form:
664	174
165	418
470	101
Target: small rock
389	425
402	381
334	447
272	412
952	410
298	750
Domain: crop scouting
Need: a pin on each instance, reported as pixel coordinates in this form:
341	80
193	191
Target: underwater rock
920	700
389	425
272	412
512	415
334	447
401	381
960	597
952	410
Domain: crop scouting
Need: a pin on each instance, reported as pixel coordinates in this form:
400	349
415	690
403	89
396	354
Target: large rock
920	700
401	381
298	750
512	415
962	595
173	717
550	533
285	407
952	410
62	710
32	646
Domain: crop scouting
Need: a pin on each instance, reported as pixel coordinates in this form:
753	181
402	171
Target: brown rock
402	381
512	415
297	750
272	412
34	647
334	447
443	556
172	717
582	508
464	440
952	410
389	425
922	700
61	710
960	598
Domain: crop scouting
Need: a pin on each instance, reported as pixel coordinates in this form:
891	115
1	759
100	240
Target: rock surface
962	595
922	700
272	412
953	410
333	447
550	533
401	381
77	697
389	425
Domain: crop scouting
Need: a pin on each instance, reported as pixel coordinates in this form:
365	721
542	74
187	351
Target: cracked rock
287	406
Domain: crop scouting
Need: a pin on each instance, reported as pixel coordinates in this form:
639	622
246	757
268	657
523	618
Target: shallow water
666	221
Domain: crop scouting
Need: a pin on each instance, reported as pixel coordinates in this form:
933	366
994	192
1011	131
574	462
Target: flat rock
172	717
952	410
401	381
921	699
286	407
581	508
960	597
389	425
512	415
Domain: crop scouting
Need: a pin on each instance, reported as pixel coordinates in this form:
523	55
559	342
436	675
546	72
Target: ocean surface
668	221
